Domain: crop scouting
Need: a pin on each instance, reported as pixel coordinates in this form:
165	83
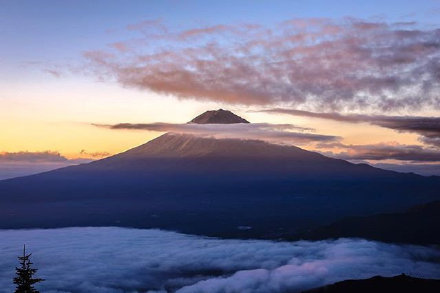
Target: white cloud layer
130	260
275	133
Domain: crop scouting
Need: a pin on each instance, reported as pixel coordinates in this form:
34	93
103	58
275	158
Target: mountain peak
219	116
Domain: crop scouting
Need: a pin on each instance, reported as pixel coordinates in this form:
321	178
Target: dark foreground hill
397	284
215	187
418	225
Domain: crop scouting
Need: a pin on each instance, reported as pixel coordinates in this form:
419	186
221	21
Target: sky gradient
365	73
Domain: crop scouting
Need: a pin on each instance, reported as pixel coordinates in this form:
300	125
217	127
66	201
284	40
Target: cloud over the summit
326	64
279	133
116	260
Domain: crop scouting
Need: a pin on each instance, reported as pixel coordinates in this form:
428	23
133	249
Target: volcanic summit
218	117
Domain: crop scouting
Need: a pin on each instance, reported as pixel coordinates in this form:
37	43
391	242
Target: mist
133	260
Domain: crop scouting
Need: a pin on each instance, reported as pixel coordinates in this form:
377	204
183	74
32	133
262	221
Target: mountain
417	225
218	117
400	284
208	186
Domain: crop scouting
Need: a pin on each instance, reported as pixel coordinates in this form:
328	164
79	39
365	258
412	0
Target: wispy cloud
384	151
427	127
114	260
95	155
326	64
280	133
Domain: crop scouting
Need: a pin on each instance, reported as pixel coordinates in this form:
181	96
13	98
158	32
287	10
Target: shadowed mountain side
215	187
418	225
400	284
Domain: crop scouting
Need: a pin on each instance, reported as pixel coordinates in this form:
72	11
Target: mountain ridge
417	225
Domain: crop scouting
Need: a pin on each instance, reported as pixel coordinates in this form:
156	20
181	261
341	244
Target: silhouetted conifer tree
24	279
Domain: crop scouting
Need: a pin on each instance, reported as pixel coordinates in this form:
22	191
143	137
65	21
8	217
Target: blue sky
60	30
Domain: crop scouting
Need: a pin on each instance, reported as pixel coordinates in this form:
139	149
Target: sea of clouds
133	260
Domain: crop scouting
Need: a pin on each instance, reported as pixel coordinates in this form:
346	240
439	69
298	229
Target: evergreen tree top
24	275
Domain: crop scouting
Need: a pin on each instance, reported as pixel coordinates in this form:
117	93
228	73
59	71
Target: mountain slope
418	225
216	187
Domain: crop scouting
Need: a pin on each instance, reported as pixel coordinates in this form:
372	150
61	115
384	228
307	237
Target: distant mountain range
215	187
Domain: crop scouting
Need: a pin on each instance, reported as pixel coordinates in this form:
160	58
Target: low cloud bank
15	164
46	156
131	260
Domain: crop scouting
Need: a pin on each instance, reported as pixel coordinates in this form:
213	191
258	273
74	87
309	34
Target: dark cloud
280	133
326	64
331	115
431	140
120	260
410	153
427	127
